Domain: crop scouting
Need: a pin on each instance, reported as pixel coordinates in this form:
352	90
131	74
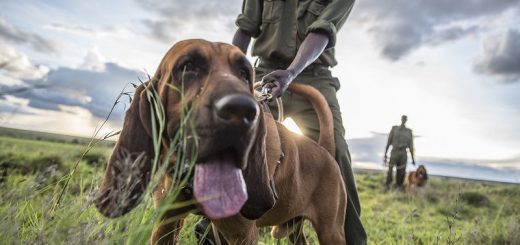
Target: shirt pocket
272	11
307	14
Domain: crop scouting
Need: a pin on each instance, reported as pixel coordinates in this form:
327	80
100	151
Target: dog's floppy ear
128	171
260	194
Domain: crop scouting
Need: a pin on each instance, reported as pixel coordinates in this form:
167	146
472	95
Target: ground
34	169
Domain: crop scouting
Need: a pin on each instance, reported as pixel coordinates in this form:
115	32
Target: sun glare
291	125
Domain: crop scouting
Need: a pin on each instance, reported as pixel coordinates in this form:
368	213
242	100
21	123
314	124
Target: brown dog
417	178
250	170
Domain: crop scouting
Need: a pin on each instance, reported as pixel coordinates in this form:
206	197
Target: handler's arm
321	34
411	147
310	49
241	39
389	141
248	23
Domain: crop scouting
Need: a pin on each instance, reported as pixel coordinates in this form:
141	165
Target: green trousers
398	159
301	111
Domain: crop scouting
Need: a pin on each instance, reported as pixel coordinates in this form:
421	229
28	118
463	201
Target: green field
33	169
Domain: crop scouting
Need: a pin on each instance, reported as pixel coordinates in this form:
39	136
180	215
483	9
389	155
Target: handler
294	41
400	138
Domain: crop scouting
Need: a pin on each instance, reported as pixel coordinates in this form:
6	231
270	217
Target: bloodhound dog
250	170
417	178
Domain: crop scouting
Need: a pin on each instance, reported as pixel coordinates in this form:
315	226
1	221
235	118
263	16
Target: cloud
93	86
38	42
93	90
180	18
68	120
15	66
369	149
500	57
451	34
400	27
94	60
200	9
111	31
163	30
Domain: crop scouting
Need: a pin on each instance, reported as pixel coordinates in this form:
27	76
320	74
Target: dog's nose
237	109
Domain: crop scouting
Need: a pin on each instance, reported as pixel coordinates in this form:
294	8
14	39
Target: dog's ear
128	171
261	197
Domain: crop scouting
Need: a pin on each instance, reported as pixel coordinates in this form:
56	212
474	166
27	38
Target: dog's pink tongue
219	187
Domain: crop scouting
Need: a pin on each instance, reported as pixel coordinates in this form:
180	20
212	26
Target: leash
271	181
264	96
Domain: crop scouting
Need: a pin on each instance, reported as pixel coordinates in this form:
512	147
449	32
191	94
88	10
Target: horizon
436	167
453	69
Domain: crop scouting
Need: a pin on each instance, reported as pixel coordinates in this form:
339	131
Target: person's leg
389	175
306	119
401	170
399	178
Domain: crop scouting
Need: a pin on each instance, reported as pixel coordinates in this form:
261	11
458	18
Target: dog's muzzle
237	110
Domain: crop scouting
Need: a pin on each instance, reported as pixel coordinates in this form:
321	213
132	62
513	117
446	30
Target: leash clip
267	92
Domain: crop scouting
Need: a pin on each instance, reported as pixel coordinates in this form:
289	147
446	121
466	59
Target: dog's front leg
166	232
237	230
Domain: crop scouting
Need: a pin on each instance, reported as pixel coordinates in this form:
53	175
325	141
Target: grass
447	211
47	137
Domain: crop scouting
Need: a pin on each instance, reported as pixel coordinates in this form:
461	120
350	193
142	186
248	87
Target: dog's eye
188	71
190	67
243	74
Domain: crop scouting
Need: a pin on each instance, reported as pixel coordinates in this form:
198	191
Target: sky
452	66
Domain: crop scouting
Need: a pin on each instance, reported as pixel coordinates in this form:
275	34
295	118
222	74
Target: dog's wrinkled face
215	82
216	79
420	173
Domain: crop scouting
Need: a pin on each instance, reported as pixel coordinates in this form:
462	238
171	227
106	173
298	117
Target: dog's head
421	173
211	86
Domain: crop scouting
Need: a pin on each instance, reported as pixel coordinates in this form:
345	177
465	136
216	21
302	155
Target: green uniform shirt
400	138
280	26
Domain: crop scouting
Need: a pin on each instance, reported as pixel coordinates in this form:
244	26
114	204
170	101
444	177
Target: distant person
400	138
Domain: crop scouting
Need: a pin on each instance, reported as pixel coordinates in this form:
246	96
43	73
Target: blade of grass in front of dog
183	166
157	119
176	149
93	141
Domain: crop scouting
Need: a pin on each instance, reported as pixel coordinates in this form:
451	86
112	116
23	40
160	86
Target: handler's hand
278	81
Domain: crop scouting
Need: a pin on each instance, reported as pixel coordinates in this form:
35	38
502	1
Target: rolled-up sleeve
331	19
251	17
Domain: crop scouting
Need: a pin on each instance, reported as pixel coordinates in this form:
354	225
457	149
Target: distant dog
417	178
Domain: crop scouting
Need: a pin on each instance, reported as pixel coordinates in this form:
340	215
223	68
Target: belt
399	148
272	64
